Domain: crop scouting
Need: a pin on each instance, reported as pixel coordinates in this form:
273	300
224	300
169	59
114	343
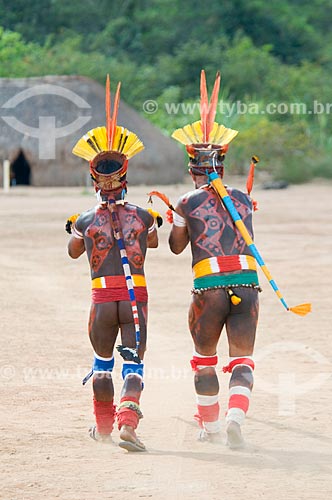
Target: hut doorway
20	170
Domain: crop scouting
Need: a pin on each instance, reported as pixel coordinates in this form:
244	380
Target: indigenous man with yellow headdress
115	235
225	292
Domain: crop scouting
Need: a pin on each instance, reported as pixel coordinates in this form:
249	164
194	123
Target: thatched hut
42	118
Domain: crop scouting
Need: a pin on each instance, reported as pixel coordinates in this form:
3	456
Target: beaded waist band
117	281
223	264
245	279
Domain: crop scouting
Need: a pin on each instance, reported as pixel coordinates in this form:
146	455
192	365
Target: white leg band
239	389
235	414
204	400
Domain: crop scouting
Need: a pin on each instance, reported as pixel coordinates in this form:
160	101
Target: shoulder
187	196
191	197
87	217
239	195
142	213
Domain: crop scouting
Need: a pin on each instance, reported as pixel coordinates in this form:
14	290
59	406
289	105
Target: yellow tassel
73	218
234	298
156	215
301	309
70	221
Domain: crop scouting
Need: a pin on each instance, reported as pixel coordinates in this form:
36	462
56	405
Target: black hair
206	170
108	166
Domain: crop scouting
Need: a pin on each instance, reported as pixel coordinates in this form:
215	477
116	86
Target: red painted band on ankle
126	416
239	401
208	413
104	412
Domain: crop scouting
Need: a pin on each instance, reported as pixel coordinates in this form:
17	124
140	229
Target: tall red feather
108	110
213	106
204	104
115	114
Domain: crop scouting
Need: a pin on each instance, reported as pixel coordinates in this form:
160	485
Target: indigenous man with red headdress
115	235
225	291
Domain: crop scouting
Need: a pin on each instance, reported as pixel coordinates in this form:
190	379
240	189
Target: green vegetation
269	54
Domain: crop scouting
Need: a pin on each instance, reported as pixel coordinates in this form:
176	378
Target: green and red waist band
225	271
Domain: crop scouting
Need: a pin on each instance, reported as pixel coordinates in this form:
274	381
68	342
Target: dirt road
45	412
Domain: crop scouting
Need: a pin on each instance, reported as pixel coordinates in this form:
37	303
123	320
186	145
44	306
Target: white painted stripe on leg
204	400
202	356
239	389
235	414
201	367
240	357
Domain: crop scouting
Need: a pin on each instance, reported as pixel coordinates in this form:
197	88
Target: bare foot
234	436
129	440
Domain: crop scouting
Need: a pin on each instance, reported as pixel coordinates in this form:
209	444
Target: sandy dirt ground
45	412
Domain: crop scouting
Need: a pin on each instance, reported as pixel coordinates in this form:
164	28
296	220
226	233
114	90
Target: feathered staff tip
162	197
250	179
301	309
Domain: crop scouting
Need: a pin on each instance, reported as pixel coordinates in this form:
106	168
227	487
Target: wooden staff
220	189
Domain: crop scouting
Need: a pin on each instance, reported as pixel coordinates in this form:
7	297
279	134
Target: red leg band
104	412
206	361
239	401
238	361
127	416
207	413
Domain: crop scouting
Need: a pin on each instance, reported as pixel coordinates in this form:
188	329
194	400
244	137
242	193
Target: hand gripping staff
220	189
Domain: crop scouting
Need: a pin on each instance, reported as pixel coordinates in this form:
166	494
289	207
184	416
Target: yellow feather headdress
109	138
110	143
95	142
205	135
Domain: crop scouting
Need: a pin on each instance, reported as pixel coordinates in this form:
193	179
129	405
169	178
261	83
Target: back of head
206	141
108	150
